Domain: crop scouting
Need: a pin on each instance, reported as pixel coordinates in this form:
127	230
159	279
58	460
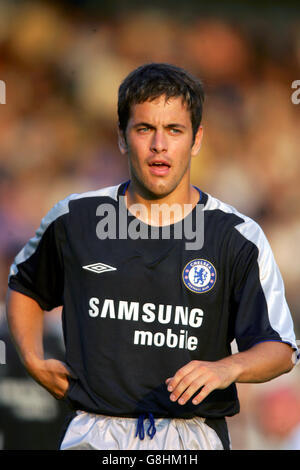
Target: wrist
235	364
32	362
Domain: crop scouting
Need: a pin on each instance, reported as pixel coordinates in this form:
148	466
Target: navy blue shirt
137	310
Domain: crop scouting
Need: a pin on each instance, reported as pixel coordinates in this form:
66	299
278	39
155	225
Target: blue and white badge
199	276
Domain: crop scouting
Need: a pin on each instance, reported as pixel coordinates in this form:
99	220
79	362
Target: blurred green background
62	63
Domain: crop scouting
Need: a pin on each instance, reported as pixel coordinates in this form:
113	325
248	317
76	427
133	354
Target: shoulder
64	206
230	215
233	220
69	204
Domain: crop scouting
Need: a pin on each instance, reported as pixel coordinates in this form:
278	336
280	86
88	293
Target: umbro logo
99	268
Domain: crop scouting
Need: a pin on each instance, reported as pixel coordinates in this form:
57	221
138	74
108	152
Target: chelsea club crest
199	276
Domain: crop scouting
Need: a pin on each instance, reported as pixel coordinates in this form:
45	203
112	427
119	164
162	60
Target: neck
161	211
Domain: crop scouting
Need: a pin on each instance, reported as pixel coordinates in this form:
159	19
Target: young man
148	316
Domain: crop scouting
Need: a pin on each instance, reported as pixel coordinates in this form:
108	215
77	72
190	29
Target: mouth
159	167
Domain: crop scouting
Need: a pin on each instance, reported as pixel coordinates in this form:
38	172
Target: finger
62	387
188	385
205	391
59	395
197	384
180	374
59	389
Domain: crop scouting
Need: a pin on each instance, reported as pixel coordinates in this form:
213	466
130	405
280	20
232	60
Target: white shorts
89	431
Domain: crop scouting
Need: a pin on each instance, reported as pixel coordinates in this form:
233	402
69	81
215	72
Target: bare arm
25	320
260	363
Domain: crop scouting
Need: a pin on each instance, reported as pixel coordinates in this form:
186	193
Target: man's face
159	145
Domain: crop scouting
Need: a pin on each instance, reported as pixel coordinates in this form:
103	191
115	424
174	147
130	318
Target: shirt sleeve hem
23	290
292	344
282	340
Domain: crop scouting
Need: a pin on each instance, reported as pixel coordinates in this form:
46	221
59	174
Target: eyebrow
146	124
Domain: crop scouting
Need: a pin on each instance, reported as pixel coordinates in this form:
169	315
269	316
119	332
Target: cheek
137	148
135	159
181	155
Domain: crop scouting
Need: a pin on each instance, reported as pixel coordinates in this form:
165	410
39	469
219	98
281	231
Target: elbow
290	361
289	367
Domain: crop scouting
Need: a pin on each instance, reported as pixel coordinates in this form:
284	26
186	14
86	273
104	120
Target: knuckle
201	370
179	373
60	395
198	382
205	390
210	387
217	383
185	381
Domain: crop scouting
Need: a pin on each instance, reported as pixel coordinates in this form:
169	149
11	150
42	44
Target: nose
159	142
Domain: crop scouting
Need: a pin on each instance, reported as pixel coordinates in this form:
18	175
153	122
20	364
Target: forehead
161	110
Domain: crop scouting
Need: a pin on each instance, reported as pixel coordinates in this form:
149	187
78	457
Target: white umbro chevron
99	268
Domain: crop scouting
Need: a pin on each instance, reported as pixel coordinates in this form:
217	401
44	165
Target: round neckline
122	193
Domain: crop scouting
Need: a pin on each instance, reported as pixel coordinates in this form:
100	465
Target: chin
155	189
158	192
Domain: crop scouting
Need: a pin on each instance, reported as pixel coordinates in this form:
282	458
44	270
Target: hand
52	375
196	375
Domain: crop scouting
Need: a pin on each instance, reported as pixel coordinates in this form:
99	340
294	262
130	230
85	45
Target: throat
156	211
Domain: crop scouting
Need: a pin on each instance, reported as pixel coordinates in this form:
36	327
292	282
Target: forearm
261	363
25	320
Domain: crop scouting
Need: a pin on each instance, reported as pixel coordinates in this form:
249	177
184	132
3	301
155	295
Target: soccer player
156	279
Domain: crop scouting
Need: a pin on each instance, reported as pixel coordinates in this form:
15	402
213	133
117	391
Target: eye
143	129
175	131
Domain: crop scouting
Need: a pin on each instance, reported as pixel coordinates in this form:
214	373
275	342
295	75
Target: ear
197	141
122	142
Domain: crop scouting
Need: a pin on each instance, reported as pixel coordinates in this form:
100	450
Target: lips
159	167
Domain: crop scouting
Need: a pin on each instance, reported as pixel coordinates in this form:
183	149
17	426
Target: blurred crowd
58	136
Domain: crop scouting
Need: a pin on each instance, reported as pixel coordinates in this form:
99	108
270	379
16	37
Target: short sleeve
37	270
261	310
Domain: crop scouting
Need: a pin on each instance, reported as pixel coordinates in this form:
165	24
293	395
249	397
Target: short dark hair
153	80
